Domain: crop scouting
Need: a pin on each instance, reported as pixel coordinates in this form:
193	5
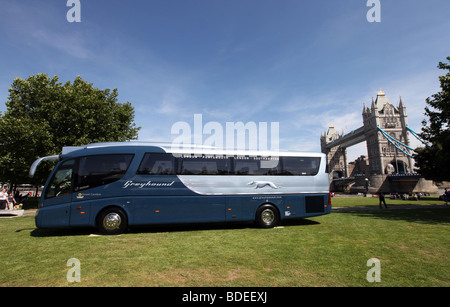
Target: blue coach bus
113	186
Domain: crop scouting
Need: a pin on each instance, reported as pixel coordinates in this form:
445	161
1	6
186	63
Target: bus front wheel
267	216
112	221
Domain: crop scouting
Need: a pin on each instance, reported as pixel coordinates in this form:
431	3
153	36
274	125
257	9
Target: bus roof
184	149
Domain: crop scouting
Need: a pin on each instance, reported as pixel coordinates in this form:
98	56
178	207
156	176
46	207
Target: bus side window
100	170
157	164
248	165
204	165
300	166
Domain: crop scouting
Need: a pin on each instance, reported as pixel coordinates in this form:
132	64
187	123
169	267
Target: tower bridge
385	131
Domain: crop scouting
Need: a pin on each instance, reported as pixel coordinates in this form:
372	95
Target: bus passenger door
79	211
55	211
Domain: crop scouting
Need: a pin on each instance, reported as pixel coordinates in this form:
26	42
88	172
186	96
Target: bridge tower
336	156
385	158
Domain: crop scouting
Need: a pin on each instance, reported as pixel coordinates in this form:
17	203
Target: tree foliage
43	115
434	162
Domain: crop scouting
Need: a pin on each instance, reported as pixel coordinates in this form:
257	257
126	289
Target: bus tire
112	221
267	216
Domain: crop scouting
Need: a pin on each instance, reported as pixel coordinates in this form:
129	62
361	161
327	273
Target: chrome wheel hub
267	216
112	221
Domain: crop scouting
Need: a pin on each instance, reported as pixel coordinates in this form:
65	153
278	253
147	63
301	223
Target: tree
43	115
434	162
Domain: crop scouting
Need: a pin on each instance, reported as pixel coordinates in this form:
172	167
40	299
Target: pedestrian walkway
390	207
11	213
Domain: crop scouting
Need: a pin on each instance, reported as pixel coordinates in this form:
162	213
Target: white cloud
73	44
173	101
42	25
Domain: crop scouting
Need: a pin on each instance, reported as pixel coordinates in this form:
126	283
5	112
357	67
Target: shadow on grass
162	228
212	226
61	232
423	216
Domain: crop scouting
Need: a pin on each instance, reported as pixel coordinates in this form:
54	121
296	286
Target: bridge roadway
352	138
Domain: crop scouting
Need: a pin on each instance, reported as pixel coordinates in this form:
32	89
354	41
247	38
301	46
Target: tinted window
245	165
196	164
157	164
300	166
61	183
94	171
204	165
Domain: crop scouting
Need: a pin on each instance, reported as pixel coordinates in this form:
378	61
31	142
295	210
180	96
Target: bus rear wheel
267	216
112	221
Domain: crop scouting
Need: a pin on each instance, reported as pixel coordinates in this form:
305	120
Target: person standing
3	199
11	201
382	199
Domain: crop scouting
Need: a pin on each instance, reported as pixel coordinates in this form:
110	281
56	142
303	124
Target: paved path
16	213
11	213
29	212
390	207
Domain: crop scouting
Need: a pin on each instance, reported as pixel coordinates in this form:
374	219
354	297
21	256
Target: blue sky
304	64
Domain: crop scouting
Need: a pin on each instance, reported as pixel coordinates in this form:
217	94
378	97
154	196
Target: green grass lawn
412	246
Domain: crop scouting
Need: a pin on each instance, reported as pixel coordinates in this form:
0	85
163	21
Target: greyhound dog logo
262	184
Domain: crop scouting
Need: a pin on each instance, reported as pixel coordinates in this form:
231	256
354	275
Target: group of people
416	196
7	201
411	196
